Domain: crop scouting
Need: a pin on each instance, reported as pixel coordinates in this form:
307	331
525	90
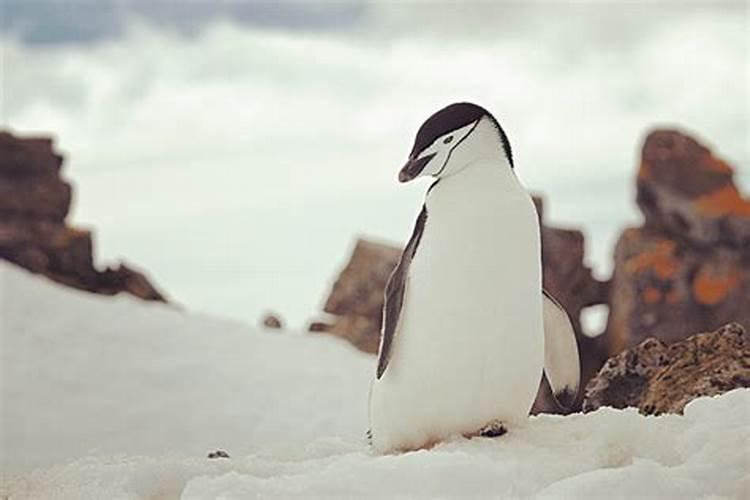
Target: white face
434	160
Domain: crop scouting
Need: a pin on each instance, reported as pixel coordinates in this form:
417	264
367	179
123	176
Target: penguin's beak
414	167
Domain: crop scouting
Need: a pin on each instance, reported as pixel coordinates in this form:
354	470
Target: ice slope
114	398
82	374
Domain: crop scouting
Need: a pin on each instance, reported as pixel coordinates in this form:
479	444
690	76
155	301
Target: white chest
479	256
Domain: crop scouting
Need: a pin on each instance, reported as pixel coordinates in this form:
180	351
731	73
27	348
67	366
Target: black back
394	293
453	117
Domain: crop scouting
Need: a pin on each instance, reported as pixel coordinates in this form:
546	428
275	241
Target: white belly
469	347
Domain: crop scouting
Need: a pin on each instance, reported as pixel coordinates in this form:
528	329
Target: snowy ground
114	398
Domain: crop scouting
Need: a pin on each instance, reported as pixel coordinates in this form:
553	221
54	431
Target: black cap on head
453	117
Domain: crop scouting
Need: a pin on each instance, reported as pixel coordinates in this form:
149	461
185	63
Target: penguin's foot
493	429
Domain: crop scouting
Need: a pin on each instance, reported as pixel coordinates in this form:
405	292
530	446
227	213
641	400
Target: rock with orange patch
715	283
661	287
688	267
652	295
659	258
687	192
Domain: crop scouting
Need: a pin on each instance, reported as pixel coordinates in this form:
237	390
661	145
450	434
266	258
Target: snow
90	375
114	398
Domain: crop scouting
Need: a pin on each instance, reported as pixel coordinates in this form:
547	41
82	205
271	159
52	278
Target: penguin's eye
448	139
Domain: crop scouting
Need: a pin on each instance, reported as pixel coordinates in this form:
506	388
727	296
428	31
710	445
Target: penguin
467	328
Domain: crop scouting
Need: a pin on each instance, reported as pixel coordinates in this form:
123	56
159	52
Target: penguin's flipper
394	293
561	362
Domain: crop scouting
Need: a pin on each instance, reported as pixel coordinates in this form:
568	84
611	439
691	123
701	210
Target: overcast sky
235	149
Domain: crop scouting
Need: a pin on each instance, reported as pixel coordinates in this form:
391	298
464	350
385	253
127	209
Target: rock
318	327
570	281
218	454
686	191
123	278
565	275
35	197
361	331
623	379
659	378
34	203
356	298
29	157
272	321
690	262
359	288
661	284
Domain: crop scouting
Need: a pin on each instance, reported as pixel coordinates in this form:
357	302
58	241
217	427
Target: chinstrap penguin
467	328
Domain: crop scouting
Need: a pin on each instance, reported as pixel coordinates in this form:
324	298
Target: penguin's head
452	138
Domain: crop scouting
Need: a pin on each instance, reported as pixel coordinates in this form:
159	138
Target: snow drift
116	398
91	375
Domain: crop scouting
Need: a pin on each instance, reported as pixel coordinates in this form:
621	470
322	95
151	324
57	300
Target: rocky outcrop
34	204
659	378
565	275
570	281
684	190
272	321
690	262
356	298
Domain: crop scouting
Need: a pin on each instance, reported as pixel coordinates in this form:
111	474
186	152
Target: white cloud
236	166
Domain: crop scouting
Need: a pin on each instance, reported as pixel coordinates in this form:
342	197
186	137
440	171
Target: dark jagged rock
565	275
272	321
123	278
659	378
359	288
35	197
690	263
570	281
34	203
318	327
356	298
28	157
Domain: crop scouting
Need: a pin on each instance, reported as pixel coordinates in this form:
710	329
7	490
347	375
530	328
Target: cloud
50	22
237	165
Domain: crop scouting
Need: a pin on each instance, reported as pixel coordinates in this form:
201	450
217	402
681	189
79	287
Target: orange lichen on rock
660	259
710	288
651	295
723	201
